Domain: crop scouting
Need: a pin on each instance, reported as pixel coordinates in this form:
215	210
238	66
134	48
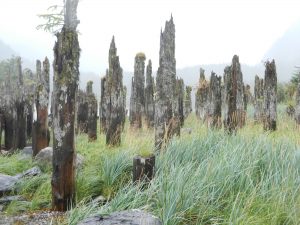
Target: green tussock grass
206	177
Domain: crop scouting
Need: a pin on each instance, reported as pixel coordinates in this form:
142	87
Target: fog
207	31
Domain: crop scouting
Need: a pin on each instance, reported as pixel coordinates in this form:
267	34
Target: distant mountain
5	51
286	52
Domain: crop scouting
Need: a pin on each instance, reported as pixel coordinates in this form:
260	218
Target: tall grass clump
214	178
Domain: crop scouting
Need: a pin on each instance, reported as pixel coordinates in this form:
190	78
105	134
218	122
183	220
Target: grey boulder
44	158
128	217
7	199
7	183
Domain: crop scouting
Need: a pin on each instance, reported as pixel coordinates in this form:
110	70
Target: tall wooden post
270	96
66	78
41	135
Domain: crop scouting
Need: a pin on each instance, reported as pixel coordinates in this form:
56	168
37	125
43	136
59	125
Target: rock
44	158
100	200
128	217
7	199
7	183
35	171
27	151
1	208
34	218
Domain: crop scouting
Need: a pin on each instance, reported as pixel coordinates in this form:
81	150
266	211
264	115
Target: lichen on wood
165	87
137	98
149	96
65	86
235	114
41	135
270	96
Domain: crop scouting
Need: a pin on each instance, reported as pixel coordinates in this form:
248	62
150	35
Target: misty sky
207	31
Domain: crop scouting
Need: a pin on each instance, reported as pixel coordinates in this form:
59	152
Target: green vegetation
205	177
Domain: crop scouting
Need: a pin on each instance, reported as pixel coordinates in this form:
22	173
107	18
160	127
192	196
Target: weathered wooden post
103	105
235	115
143	168
30	86
297	107
177	120
247	96
188	101
114	98
149	96
202	101
92	112
65	85
258	99
137	99
270	96
41	135
124	110
10	114
20	108
82	112
165	86
215	99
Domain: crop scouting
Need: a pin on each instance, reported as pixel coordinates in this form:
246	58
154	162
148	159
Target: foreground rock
7	199
39	218
128	217
35	171
7	182
44	158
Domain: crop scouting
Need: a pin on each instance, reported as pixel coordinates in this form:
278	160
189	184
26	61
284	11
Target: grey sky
207	31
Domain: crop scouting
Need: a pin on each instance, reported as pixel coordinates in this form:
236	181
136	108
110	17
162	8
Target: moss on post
66	78
41	135
270	96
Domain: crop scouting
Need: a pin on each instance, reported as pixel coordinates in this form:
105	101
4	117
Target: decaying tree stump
30	86
124	113
103	110
165	86
215	100
20	109
16	90
235	114
258	99
112	103
65	85
178	108
137	99
270	96
82	112
143	168
201	98
92	112
247	96
188	101
41	136
149	96
297	107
